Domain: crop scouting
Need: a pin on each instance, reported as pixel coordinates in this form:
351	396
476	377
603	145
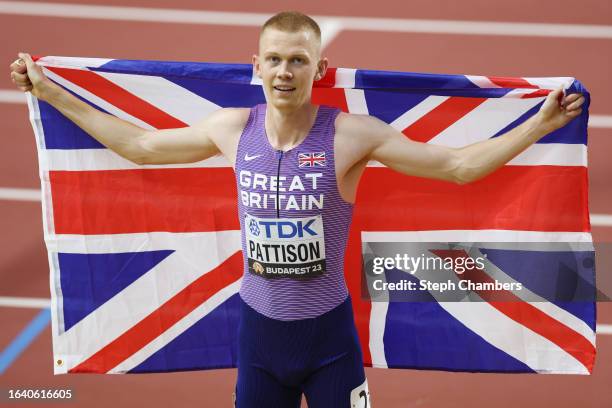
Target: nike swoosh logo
249	158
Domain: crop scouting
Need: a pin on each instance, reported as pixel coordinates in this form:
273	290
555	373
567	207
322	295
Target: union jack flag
311	159
145	272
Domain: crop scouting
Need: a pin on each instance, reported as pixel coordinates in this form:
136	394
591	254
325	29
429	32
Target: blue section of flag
224	95
367	79
209	343
443	343
390	106
89	280
220	73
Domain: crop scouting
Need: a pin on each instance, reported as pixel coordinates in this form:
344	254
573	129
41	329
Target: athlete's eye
273	59
298	60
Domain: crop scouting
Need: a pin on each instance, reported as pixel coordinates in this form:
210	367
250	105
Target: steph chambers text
445	286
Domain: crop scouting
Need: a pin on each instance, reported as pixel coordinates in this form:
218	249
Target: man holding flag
297	170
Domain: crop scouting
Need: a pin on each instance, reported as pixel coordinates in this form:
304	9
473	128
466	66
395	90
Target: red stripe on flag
152	326
142	200
526	314
441	117
536	94
119	97
331	97
531	198
509	82
328	81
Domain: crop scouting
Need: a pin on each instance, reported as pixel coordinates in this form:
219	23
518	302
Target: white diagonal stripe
484	121
165	95
96	100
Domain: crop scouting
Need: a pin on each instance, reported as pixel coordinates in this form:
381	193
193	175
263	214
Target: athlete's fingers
18	66
572	97
573	113
19	77
575	104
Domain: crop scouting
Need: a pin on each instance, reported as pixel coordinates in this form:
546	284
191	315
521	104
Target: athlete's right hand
29	77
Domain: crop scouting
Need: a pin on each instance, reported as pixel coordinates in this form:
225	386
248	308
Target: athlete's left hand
559	109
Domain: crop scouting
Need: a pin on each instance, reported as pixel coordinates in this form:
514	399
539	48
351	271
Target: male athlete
296	332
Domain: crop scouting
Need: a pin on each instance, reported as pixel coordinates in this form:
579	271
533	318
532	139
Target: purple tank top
294	224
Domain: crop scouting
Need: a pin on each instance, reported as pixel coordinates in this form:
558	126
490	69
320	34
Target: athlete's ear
321	69
256	66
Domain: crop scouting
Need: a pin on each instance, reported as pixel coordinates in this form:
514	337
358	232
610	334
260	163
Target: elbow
463	173
138	153
138	160
462	177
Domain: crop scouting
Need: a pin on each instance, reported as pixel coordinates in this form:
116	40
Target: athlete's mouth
284	88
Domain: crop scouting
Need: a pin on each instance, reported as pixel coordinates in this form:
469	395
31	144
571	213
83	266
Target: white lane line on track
595	121
24	302
19	194
41	303
601	220
7	96
161	15
30	194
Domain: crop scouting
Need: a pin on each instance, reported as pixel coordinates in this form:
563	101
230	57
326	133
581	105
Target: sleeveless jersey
293	221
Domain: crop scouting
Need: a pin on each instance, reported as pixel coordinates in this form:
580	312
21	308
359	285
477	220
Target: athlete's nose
283	72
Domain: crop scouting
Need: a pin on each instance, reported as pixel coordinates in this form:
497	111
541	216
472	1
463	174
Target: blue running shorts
319	357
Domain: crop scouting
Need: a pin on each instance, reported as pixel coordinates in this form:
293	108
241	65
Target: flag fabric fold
145	260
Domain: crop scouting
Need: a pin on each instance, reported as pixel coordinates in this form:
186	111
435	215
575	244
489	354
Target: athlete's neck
286	129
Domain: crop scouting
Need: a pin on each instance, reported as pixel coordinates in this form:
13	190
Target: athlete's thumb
28	60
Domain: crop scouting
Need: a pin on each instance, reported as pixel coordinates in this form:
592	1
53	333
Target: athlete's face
288	63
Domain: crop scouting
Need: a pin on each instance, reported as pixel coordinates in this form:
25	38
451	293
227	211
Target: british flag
145	261
311	159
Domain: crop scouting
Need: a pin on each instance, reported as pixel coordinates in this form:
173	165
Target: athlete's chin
285	103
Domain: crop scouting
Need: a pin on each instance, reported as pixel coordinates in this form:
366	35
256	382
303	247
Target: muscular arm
386	145
211	136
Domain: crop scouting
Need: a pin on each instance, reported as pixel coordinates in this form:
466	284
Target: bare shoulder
226	119
350	125
224	127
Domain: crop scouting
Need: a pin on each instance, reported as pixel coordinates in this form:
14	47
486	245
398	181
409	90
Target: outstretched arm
181	145
472	162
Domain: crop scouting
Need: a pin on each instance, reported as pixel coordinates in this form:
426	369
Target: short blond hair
292	21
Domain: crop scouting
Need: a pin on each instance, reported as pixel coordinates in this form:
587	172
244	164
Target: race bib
290	247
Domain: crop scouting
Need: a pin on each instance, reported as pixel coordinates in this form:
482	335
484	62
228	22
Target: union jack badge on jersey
311	159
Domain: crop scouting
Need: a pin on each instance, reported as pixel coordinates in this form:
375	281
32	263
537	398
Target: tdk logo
287	229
